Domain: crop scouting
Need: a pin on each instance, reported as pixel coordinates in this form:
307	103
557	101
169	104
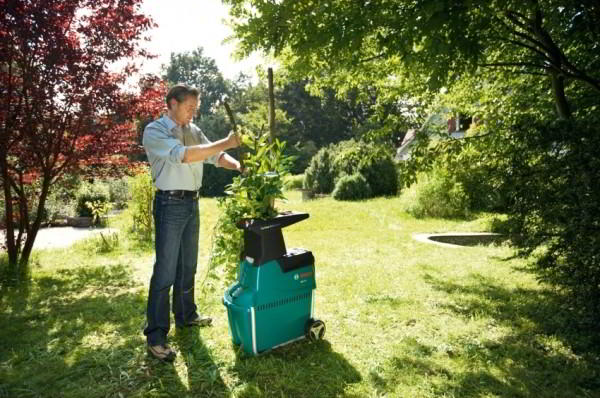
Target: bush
352	187
380	171
294	182
58	206
142	195
374	162
555	212
118	189
438	194
300	154
88	193
478	178
320	174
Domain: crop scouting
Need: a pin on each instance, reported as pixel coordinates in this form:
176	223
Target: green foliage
352	187
484	188
142	195
99	211
90	192
320	174
197	70
294	181
301	155
61	202
555	210
103	243
118	189
373	161
437	194
250	196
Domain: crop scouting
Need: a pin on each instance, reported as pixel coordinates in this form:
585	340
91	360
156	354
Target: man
176	150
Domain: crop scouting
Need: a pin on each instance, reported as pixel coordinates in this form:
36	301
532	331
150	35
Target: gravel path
59	237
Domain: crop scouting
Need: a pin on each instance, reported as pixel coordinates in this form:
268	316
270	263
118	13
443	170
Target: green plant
294	181
142	195
438	194
319	175
373	161
118	189
352	187
99	211
250	196
90	192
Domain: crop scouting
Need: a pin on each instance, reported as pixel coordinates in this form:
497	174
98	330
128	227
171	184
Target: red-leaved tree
61	105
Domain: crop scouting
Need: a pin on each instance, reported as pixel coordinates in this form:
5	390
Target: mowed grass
403	318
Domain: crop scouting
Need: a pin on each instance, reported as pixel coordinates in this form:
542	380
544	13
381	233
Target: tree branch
524	64
524	45
361	61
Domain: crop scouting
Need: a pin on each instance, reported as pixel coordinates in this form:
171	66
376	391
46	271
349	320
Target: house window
459	123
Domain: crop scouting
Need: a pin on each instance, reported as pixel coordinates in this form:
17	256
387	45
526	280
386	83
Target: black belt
180	193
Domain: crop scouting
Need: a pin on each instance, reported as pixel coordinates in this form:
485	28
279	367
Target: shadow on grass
530	348
203	374
77	332
301	369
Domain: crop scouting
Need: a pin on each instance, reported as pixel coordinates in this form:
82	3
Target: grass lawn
404	319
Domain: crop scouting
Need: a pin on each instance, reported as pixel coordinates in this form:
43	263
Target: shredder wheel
315	329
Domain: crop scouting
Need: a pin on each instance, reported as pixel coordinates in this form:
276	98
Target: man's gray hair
180	92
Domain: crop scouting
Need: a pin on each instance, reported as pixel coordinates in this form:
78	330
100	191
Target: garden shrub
142	195
373	161
58	206
479	179
300	155
438	194
118	189
90	192
380	171
352	187
320	174
294	181
555	211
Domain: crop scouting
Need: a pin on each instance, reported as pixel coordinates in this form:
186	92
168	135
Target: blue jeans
177	227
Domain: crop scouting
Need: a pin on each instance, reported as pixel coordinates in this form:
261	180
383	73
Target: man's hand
233	140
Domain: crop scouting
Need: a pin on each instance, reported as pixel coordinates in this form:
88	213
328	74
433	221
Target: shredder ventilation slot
284	301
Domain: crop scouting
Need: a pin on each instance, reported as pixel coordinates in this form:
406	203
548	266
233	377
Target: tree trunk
32	231
11	245
560	99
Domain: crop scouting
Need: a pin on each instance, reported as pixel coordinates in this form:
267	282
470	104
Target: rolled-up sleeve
163	146
203	140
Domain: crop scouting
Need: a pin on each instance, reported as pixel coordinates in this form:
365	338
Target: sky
184	25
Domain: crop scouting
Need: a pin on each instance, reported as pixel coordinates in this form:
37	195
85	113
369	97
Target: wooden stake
271	105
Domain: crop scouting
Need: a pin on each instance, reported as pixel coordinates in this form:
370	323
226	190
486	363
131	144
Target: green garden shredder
273	299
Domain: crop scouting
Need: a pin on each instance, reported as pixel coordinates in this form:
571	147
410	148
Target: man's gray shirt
165	144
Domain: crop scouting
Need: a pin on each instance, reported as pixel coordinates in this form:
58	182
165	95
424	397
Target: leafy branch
251	195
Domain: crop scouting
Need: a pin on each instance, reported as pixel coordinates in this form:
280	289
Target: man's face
183	112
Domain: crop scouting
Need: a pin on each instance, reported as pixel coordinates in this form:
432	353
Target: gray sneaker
162	352
200	320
